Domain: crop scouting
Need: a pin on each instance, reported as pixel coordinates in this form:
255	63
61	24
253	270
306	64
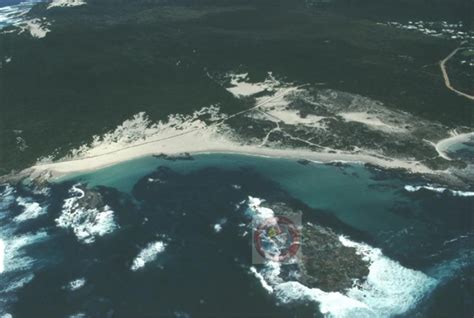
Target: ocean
13	11
169	238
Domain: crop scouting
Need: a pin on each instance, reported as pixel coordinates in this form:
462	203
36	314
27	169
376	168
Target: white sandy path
442	146
447	82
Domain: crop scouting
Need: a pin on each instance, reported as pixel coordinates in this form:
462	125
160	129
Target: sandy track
447	82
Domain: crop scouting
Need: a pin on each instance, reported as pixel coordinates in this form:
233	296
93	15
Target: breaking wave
390	289
76	284
31	209
15	14
86	223
148	254
433	188
16	266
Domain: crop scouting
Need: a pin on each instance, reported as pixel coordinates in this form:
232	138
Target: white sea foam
14	14
217	227
87	224
332	304
390	289
148	254
76	189
433	188
38	28
7	197
76	284
31	210
66	3
256	211
14	257
2	256
262	280
18	283
17	267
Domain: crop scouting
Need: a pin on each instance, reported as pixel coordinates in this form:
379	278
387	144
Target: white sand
443	145
241	87
291	117
206	141
139	137
371	121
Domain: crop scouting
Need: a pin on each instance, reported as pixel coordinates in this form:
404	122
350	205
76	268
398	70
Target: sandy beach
205	141
139	137
443	145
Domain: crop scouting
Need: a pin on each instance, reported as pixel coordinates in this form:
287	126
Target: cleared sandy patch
291	117
371	121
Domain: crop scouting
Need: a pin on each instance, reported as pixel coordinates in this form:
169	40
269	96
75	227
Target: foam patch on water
76	284
17	267
87	224
390	289
217	227
14	257
31	210
66	3
433	188
148	254
330	304
7	197
2	256
14	14
256	211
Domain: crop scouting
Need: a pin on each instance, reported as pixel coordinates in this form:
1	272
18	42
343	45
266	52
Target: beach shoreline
193	147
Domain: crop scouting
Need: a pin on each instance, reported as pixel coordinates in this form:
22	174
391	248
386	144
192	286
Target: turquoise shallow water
206	273
463	150
348	191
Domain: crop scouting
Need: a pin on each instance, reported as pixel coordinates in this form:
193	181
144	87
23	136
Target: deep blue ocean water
206	273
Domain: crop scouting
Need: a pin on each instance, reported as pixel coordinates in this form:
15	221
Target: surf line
447	82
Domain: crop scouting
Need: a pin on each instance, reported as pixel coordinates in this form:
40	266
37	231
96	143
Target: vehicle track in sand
447	81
